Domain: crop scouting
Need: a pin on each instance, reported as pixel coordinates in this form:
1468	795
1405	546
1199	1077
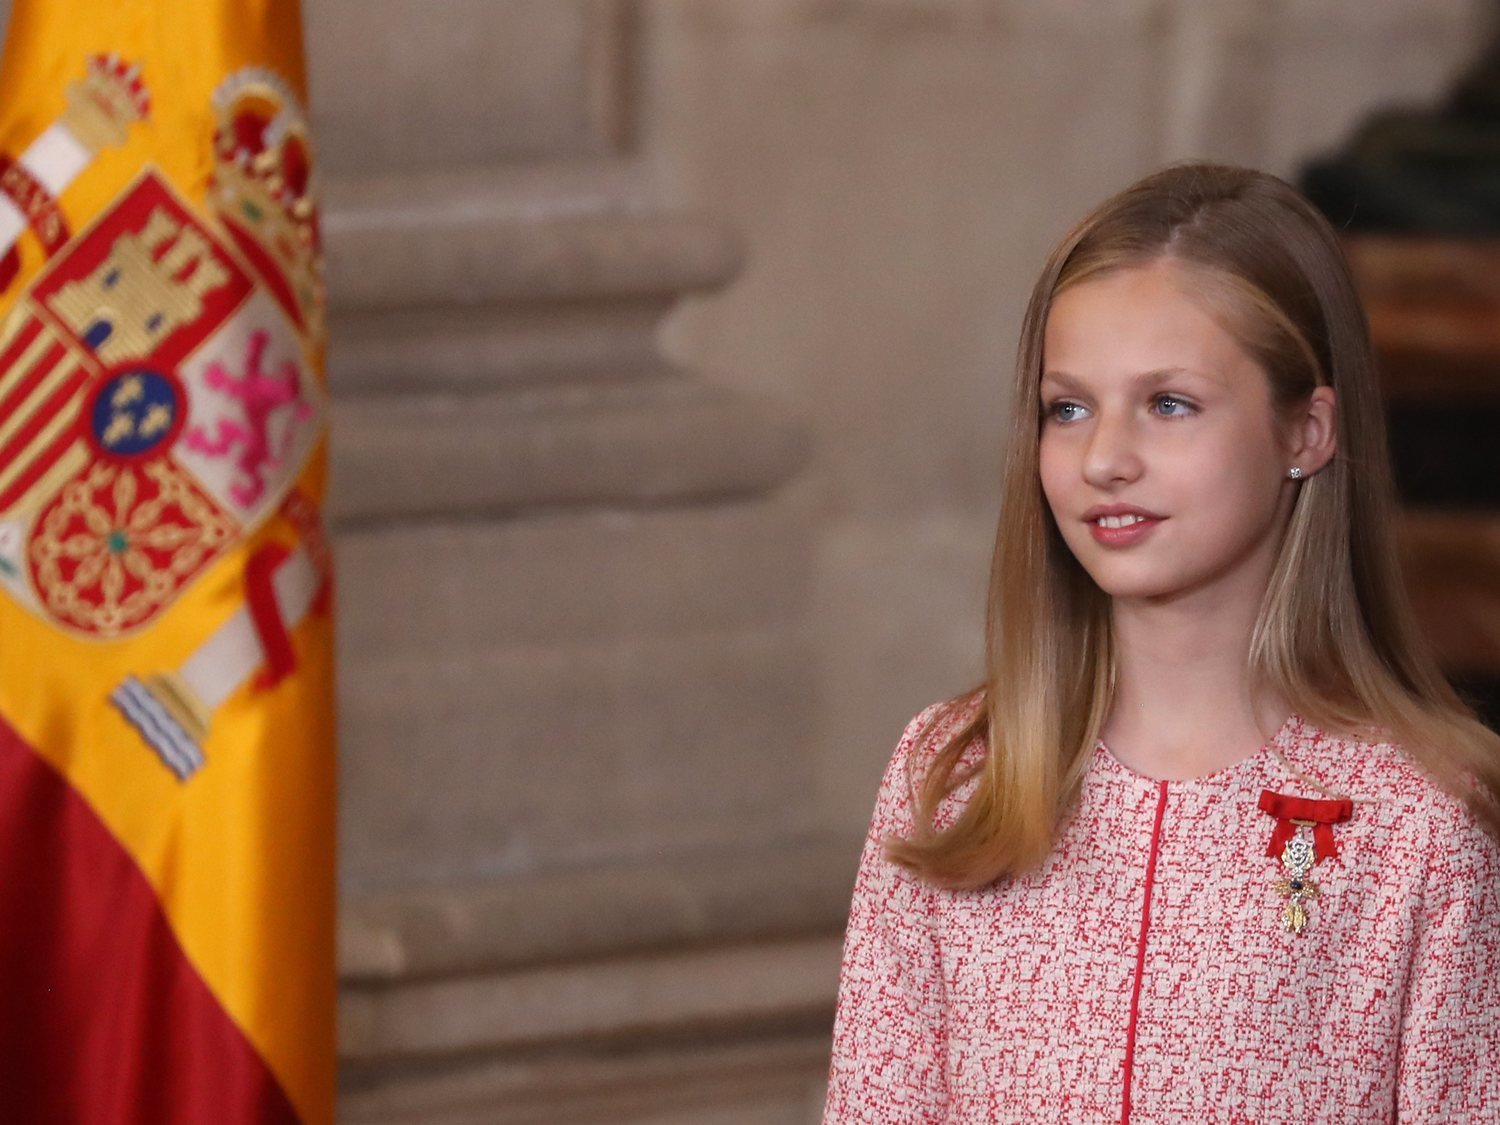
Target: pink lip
1121	536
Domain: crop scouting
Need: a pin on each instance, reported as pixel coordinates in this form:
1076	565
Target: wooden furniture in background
1434	306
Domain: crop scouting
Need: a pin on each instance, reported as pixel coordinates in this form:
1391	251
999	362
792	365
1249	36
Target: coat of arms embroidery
156	398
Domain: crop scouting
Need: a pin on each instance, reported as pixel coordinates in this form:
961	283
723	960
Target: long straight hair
1335	635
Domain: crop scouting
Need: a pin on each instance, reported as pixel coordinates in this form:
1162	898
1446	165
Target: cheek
1055	471
1238	478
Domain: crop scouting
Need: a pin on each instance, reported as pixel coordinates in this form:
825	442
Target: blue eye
1061	411
1170	406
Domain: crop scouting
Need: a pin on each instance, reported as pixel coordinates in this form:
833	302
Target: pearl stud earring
1295	472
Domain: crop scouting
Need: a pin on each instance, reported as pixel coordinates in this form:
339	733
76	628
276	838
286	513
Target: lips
1121	526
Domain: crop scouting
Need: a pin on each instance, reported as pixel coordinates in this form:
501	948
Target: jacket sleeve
889	1043
1448	1066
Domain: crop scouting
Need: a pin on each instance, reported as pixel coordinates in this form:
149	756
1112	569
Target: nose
1111	456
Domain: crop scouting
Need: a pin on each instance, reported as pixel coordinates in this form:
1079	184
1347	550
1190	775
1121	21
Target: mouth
1123	529
1126	520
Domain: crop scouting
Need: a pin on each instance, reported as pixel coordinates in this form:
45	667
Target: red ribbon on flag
265	612
1323	814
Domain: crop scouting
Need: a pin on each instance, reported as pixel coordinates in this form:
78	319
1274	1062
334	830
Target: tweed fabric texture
1014	1002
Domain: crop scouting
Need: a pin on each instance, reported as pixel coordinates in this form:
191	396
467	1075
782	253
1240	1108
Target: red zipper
1140	949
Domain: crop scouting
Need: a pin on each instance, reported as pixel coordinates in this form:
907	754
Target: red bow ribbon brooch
1296	853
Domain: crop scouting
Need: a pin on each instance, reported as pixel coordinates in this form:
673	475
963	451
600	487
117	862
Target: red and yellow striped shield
166	730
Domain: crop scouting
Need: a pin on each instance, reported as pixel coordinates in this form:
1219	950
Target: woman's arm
1448	1065
888	1038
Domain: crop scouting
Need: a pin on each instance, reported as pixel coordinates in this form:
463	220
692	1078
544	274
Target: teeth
1119	521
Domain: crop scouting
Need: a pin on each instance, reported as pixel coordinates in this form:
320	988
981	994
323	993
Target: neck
1183	701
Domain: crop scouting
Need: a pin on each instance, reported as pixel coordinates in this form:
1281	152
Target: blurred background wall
669	340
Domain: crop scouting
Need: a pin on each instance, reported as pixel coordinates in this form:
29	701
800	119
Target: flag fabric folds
166	716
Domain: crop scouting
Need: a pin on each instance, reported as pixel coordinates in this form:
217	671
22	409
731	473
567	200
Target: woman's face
1155	420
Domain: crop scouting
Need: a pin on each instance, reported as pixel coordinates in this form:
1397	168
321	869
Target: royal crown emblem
263	192
101	108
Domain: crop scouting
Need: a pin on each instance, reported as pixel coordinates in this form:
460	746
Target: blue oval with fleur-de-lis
135	413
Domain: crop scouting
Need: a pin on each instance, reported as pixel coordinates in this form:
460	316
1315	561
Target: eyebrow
1145	378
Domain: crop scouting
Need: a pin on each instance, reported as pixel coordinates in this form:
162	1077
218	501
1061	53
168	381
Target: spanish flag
166	719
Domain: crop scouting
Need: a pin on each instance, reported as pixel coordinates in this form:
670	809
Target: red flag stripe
44	458
51	401
102	1017
27	382
18	345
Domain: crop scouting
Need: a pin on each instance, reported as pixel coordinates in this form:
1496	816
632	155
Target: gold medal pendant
1297	852
1298	858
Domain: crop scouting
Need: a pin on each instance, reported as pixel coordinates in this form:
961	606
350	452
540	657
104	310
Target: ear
1312	434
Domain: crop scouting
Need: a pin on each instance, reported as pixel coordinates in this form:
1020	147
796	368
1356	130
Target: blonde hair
1335	635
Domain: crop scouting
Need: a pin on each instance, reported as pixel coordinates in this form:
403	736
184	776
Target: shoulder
924	737
1365	767
1408	801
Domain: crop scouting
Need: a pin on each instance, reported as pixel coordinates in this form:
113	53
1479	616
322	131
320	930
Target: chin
1120	582
1162	584
1143	592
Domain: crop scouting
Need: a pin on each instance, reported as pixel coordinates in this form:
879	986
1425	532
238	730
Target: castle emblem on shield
157	390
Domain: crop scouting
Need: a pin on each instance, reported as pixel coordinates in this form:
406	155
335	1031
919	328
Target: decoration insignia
1296	888
1297	852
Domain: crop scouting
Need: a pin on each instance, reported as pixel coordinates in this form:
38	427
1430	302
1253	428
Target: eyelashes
1054	411
1164	405
1175	400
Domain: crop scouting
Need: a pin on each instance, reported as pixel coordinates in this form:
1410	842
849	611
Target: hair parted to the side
1335	635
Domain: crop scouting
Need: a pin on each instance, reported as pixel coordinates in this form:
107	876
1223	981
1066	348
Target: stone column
581	874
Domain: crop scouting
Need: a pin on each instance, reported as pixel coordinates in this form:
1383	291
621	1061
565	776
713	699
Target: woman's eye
1172	407
1063	411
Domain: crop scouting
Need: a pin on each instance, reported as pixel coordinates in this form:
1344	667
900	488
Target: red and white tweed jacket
1144	973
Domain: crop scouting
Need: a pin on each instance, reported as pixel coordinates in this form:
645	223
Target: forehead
1135	321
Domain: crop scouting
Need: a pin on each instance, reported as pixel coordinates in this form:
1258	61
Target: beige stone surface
399	84
726	986
441	589
727	895
448	348
898	609
752	1080
667	439
465	279
556	756
382	258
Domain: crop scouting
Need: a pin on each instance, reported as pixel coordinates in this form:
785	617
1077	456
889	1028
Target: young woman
1214	840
